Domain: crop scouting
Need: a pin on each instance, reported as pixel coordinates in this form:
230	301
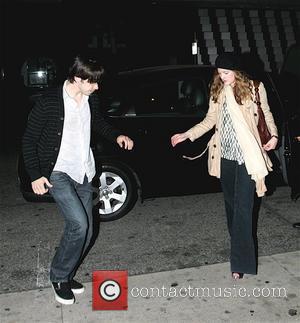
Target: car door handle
143	131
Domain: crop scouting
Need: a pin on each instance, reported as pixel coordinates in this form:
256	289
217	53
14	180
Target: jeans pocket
59	180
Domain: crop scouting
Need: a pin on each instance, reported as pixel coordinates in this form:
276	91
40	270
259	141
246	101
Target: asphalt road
160	234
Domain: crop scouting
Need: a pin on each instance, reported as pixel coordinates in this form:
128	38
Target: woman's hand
271	144
177	138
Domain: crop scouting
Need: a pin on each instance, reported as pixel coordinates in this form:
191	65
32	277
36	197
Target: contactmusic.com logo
110	290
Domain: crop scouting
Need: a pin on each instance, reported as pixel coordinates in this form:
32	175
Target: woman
236	154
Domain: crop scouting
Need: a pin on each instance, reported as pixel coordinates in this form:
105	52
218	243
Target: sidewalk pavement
271	296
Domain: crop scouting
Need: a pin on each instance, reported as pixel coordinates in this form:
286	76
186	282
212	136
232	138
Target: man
58	158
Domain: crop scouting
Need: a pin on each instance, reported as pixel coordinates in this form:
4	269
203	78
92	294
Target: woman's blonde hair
242	89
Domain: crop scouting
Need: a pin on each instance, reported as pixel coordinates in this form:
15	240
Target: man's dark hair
86	68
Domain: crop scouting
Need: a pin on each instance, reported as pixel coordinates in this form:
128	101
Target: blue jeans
238	189
74	201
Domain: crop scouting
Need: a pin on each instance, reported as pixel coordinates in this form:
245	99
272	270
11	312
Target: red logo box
110	290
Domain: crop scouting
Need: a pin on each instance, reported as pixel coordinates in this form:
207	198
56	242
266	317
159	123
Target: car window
115	98
172	97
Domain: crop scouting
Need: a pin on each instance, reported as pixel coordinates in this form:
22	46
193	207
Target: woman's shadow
255	215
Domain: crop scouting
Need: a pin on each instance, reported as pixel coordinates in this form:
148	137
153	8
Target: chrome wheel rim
111	193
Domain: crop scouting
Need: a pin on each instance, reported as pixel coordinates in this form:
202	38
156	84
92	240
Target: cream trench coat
213	118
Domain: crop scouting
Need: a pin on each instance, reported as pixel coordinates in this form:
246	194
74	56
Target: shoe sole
62	300
78	290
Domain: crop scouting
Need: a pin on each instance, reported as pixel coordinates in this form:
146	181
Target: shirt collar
66	95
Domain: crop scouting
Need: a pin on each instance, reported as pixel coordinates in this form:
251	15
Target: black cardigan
42	138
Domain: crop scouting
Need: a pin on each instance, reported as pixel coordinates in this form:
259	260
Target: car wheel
115	192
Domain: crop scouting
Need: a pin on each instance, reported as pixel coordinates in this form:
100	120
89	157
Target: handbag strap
257	97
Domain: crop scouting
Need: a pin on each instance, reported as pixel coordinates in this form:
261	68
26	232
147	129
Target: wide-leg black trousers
238	189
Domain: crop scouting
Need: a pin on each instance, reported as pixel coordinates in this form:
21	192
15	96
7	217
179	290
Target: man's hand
125	142
39	185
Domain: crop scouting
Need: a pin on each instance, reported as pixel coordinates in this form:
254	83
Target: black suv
150	105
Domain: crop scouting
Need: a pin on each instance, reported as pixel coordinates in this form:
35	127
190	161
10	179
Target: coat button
215	145
52	163
212	157
56	149
59	133
61	118
255	114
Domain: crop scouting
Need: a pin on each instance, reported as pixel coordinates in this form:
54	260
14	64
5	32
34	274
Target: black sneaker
63	293
76	287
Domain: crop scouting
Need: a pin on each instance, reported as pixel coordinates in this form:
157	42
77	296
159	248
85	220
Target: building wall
265	32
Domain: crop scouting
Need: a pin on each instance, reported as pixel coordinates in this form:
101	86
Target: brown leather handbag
263	131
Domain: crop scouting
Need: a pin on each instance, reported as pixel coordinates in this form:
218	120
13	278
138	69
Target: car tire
115	192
